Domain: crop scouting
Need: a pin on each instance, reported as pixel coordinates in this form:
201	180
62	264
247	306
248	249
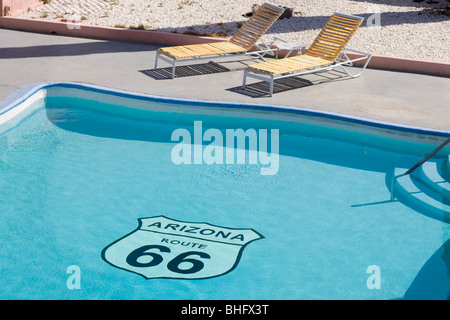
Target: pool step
445	169
430	174
427	189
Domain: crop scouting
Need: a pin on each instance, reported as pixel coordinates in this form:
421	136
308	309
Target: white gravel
401	28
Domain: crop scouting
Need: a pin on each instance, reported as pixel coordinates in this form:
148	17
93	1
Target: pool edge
23	93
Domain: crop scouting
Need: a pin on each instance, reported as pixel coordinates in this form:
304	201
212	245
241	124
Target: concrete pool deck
395	97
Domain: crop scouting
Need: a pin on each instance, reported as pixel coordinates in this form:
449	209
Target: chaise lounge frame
239	44
327	52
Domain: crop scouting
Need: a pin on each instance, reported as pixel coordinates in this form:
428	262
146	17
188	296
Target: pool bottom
75	182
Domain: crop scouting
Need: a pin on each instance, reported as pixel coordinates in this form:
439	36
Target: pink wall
155	37
16	7
97	32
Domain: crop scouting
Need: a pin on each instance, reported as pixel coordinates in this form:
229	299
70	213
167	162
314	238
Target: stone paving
72	8
398	28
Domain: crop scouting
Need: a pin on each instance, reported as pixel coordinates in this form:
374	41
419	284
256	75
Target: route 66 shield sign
165	248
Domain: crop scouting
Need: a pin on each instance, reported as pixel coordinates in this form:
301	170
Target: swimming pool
94	206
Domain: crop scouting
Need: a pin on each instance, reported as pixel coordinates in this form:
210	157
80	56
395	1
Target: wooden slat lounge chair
240	43
326	53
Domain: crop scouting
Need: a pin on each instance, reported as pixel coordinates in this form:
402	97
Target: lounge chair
240	43
326	53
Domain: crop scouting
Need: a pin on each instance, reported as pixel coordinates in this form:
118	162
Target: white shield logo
165	248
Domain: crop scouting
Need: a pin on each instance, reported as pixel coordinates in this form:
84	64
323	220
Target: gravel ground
416	29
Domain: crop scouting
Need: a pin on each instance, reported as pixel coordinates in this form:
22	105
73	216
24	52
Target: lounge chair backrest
334	36
256	26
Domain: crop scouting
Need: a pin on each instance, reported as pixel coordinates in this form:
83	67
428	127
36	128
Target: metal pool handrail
425	159
418	164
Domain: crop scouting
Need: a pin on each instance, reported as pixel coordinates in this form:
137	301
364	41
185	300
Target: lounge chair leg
245	79
368	57
271	87
173	69
156	60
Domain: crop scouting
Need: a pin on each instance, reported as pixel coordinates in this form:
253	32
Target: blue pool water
78	178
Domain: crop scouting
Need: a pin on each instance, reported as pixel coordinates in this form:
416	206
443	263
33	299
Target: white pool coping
13	108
